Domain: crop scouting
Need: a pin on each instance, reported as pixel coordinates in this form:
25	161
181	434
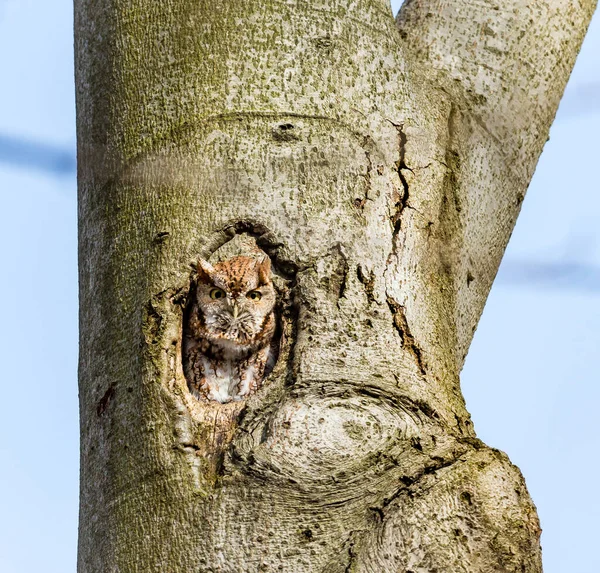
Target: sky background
531	377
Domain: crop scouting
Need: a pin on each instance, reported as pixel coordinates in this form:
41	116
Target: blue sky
531	377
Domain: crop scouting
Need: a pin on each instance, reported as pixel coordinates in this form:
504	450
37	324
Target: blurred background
531	377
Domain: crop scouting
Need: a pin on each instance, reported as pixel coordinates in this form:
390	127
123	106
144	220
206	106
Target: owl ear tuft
205	271
264	271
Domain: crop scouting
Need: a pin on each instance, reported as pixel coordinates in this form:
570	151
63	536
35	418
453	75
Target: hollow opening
237	311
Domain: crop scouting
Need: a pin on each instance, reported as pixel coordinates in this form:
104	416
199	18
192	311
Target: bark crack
408	340
105	401
437	463
398	311
360	202
345	269
367	278
352	552
352	556
401	166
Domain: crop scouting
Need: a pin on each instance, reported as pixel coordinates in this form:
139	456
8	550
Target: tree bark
381	165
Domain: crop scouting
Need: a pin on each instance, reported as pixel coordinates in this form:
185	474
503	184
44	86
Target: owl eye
217	293
254	295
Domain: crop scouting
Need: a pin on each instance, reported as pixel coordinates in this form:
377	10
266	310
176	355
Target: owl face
236	298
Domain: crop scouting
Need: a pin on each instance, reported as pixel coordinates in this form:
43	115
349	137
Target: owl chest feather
225	377
221	378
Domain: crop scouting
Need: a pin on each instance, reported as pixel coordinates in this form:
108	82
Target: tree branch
503	67
509	61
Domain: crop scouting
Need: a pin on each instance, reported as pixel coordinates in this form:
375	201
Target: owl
228	346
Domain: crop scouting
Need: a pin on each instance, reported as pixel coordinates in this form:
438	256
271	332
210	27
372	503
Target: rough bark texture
381	165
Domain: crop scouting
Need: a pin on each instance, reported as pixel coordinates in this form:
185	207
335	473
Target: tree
381	164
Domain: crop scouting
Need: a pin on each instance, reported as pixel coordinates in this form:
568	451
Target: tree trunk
381	165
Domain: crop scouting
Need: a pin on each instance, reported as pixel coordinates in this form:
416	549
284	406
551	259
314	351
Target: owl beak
235	309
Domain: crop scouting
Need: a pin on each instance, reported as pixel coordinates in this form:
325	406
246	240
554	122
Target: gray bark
381	165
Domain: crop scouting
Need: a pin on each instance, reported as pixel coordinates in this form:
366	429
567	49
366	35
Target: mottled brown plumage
228	338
